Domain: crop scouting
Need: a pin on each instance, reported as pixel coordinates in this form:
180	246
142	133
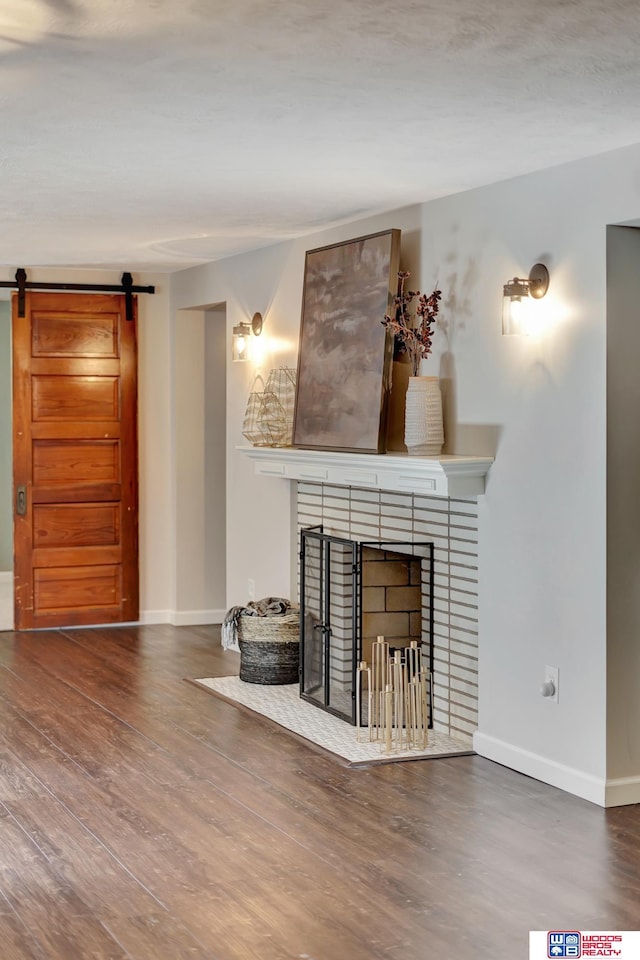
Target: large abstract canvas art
344	361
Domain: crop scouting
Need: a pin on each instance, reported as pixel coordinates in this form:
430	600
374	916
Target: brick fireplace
395	497
451	524
392	600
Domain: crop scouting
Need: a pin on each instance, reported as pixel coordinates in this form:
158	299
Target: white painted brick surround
452	525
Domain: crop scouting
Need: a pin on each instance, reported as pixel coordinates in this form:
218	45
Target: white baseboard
188	618
182	618
623	791
150	617
193	618
541	768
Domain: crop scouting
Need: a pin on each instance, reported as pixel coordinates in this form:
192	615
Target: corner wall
543	520
260	544
198	467
623	514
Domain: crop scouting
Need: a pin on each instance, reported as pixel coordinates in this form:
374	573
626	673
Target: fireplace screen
350	593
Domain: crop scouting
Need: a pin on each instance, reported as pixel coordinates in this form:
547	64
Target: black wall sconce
517	296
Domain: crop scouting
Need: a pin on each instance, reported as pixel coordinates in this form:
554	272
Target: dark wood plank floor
143	818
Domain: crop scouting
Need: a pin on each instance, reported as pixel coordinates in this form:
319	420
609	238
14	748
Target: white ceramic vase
423	426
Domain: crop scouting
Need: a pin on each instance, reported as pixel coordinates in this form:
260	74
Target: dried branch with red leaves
415	334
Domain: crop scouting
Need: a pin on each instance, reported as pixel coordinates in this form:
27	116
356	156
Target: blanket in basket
267	607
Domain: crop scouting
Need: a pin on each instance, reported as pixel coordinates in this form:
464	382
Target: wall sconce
516	313
241	342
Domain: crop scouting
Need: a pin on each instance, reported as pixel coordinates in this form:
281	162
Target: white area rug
283	705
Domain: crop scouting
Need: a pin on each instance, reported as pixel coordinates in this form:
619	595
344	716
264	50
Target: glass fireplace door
329	613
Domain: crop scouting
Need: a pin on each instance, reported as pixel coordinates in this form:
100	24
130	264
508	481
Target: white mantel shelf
435	476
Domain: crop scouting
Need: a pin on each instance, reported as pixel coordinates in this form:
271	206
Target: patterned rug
283	705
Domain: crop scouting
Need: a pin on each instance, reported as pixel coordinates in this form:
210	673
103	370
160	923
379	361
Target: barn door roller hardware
125	286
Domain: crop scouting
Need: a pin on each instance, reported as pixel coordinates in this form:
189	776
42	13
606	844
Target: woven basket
269	649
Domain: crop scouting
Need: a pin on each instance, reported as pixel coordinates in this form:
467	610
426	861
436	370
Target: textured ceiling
159	133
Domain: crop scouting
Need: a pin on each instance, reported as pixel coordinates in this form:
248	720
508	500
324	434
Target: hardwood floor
143	818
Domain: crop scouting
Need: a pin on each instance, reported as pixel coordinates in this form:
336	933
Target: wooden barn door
75	461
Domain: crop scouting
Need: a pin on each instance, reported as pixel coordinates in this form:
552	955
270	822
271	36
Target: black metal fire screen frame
317	626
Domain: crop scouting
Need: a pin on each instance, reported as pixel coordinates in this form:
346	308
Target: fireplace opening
352	592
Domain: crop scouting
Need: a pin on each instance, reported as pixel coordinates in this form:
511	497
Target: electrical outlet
549	689
251	589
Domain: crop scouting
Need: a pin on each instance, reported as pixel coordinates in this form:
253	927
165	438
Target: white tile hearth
283	705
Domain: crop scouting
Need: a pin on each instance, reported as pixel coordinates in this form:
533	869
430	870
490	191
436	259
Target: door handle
21	500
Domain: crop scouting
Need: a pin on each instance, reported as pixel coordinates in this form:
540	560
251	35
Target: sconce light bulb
241	342
521	314
519	294
517	308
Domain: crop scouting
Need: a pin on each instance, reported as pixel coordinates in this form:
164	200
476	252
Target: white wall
623	507
188	358
537	403
215	467
199	466
260	545
542	566
155	450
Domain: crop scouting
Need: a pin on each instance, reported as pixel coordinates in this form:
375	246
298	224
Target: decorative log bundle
395	690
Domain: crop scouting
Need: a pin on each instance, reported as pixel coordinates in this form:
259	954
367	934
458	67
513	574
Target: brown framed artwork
344	361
